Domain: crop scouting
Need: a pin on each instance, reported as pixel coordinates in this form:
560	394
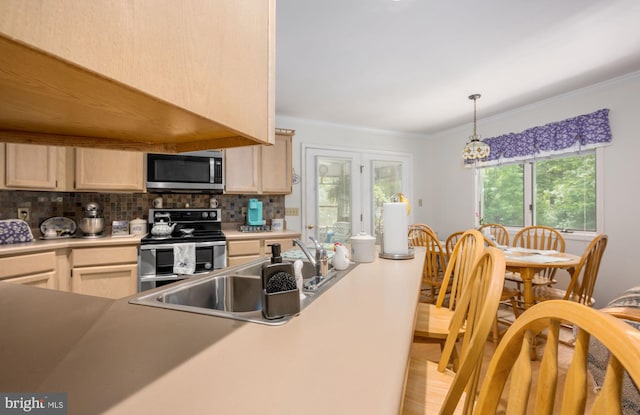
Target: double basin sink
234	292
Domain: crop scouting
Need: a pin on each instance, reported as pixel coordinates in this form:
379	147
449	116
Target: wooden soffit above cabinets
46	97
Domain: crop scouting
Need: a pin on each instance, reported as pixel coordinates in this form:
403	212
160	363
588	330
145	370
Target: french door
344	191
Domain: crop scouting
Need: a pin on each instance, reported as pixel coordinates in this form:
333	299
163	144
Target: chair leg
516	310
496	333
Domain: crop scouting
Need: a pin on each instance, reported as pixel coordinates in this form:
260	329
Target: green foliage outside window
503	195
564	193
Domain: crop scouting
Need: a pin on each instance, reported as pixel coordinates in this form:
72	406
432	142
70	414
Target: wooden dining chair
450	243
422	225
498	232
583	277
434	320
510	297
511	363
542	238
434	263
430	387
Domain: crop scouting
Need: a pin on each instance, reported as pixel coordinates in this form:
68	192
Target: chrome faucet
320	254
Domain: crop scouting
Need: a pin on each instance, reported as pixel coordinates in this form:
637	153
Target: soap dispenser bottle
280	295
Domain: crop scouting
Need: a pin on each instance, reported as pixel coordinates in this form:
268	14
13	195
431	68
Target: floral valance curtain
574	134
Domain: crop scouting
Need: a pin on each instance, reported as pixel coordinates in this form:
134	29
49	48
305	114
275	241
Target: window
557	192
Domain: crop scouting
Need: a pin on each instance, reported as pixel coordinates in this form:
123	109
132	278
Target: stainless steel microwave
198	171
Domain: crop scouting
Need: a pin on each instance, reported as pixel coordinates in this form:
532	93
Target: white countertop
344	354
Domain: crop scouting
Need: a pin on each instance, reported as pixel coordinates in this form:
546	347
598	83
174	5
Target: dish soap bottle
276	265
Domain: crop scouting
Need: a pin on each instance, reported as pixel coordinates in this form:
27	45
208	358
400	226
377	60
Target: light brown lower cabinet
38	270
110	272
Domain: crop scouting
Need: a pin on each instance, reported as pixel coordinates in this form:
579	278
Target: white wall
343	137
450	193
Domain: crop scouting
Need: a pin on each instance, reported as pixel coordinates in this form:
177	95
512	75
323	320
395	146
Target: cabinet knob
310	226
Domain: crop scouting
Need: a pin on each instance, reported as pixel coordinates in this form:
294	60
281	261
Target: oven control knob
205	214
207	265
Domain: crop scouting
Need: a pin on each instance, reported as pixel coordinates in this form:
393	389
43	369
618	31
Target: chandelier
475	149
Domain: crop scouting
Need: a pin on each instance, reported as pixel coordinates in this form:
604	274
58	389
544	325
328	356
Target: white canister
138	226
277	225
363	248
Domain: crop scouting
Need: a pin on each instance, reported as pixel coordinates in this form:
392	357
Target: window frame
529	185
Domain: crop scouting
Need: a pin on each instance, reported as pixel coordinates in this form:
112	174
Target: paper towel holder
384	255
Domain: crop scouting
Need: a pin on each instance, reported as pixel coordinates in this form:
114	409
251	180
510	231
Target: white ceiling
410	65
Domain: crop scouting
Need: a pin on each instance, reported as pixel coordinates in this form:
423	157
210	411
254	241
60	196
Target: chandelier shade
475	149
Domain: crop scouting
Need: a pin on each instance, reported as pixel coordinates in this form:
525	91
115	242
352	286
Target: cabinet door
37	269
241	169
98	169
30	166
43	280
2	166
111	281
212	58
275	170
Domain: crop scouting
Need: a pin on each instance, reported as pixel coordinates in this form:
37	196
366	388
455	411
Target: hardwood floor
565	353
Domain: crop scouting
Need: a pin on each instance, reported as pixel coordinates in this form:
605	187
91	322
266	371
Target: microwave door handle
212	170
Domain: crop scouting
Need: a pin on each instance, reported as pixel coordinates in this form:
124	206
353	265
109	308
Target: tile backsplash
121	206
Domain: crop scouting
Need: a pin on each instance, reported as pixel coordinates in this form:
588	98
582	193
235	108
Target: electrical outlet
24	213
292	212
244	210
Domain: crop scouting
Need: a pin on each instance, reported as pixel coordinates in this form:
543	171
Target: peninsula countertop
346	353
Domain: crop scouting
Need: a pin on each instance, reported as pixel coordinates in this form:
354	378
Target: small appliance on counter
92	221
254	213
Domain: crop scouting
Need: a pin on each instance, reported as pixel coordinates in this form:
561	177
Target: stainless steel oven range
201	227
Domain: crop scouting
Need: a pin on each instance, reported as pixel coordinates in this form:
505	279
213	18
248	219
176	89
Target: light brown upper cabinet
39	167
260	169
139	74
114	170
32	167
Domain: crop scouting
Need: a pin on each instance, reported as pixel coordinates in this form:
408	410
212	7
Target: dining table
527	262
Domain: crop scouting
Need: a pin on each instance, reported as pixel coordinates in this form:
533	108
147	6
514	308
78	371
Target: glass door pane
386	180
332	205
334	199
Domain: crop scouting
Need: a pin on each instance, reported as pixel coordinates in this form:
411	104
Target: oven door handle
170	246
169	277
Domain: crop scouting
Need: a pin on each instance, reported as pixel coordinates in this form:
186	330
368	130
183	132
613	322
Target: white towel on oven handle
184	258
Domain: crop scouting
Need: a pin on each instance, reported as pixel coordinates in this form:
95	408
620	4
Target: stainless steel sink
234	293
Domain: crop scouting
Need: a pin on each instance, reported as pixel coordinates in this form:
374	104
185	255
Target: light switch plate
292	211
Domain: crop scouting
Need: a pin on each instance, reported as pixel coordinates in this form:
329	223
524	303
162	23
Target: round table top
519	257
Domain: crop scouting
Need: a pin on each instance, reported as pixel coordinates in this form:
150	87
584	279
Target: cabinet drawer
238	260
44	280
237	248
85	257
27	264
285	244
